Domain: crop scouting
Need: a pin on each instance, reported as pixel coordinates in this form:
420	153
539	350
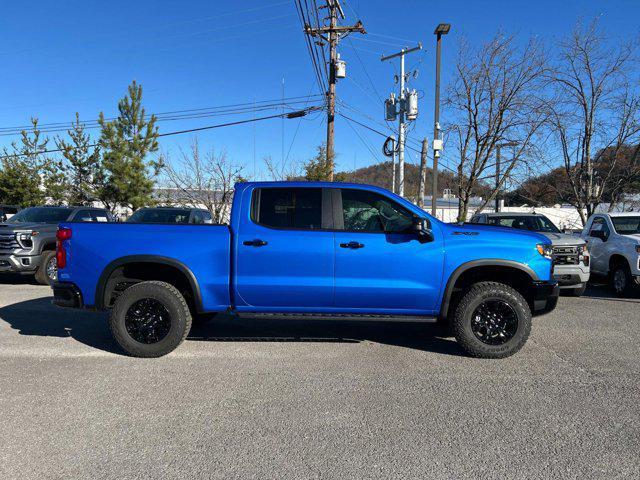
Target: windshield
534	223
41	215
159	216
626	225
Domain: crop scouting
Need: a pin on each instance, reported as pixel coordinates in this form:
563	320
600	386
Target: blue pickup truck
312	250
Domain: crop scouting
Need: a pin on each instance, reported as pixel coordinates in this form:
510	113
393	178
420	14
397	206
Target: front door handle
352	245
254	243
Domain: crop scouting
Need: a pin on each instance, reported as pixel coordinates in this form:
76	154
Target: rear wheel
492	320
47	272
150	319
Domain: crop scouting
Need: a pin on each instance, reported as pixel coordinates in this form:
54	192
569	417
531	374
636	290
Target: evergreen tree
318	169
83	165
126	178
26	175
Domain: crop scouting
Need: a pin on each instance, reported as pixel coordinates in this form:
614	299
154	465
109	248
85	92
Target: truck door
381	265
598	235
284	254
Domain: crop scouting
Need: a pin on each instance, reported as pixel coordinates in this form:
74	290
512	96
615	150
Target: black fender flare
119	262
489	262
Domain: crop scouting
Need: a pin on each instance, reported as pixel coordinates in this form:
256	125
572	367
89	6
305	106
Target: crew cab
315	250
28	238
570	252
614	243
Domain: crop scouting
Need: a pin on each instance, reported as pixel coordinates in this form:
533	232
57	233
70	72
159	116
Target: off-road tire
621	268
577	292
41	273
171	299
473	297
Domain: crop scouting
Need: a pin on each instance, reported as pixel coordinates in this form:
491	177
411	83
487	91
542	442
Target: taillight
61	254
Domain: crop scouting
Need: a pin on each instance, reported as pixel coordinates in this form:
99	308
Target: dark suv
170	215
28	238
8	211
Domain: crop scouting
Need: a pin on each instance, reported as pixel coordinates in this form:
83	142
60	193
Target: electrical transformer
390	110
341	68
411	105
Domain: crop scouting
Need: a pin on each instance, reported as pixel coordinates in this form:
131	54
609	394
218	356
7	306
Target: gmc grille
566	255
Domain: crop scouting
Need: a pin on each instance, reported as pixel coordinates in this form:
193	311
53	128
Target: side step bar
339	316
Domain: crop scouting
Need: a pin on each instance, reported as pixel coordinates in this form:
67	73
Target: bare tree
204	180
283	169
595	114
494	99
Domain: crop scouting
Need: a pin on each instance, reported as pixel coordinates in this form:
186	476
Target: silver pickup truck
570	254
28	238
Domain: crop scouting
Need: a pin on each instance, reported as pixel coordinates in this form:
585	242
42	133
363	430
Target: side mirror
3	218
421	228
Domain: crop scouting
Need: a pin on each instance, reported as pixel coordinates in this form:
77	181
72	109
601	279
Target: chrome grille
566	255
8	242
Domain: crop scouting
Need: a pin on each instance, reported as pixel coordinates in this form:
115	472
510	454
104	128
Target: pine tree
126	178
27	177
83	164
318	169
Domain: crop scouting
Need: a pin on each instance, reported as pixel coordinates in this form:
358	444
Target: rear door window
296	208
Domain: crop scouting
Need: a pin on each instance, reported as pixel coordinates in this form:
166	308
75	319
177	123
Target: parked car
570	253
28	239
315	250
8	211
614	243
171	215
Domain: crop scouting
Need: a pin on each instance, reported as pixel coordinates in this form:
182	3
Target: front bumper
67	295
545	296
571	276
19	263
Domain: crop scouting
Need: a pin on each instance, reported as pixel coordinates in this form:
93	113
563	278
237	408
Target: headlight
546	250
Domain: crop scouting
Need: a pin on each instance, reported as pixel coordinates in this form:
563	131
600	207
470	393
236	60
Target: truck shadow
603	291
15	279
38	317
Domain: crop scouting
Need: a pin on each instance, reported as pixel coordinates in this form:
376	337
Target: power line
295	114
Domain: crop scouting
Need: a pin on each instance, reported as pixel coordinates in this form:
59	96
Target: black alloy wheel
147	321
494	322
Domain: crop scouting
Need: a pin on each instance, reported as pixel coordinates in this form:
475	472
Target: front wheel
47	272
150	319
492	320
577	292
620	279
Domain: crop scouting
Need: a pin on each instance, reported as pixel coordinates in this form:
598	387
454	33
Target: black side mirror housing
421	228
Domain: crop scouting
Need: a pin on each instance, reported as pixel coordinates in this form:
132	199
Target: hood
14	227
473	229
562	239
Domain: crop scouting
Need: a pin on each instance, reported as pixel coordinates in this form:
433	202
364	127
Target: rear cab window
288	208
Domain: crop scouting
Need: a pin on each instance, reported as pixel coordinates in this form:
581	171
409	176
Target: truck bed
203	249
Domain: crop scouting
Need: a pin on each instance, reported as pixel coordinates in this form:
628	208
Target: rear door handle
254	243
352	245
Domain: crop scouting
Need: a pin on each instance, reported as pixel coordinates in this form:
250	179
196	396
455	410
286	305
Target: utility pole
332	35
393	160
497	176
423	173
402	114
441	29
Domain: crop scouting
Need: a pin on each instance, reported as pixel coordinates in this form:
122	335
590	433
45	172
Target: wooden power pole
332	35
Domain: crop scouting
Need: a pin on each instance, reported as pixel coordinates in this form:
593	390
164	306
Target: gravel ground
289	399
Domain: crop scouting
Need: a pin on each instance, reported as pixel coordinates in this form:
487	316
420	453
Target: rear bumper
67	295
545	296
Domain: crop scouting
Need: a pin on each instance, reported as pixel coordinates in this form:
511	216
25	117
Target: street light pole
441	29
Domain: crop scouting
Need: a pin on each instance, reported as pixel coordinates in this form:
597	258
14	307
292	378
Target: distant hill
380	174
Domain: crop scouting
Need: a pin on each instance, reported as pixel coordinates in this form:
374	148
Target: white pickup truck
614	243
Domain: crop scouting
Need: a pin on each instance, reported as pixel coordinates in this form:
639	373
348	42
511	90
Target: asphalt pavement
298	399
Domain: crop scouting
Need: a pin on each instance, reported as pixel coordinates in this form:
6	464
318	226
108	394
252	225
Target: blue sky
67	56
